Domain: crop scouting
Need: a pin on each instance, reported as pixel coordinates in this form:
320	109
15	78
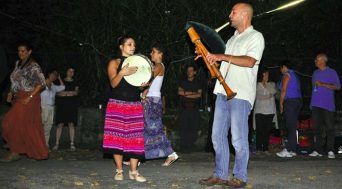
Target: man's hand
197	51
213	58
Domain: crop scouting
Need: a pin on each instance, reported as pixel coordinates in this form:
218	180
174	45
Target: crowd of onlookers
26	126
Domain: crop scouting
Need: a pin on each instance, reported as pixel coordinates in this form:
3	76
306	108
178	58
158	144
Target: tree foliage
83	33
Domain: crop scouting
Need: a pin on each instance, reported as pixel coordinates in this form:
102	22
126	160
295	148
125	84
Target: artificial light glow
286	5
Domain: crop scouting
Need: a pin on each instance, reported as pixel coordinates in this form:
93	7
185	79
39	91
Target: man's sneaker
293	154
331	155
285	153
315	154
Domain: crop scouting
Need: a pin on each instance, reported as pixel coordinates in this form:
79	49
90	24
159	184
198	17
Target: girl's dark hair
286	63
159	47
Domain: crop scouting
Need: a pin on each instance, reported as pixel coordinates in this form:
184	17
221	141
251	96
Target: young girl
124	121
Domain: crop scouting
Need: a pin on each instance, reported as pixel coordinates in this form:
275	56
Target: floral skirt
156	143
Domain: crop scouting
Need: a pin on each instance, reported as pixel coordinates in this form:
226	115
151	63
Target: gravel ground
88	169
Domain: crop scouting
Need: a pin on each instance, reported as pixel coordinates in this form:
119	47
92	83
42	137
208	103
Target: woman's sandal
170	159
134	175
10	157
119	175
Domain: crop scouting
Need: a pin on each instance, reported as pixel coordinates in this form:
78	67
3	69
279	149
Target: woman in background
67	108
48	101
264	110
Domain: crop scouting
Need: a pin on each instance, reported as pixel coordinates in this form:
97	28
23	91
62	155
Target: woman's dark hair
25	44
286	63
261	73
28	47
122	39
51	71
70	67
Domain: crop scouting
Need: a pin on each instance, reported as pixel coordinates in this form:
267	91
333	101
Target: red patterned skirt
124	129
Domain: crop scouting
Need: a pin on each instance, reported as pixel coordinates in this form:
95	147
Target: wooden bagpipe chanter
202	37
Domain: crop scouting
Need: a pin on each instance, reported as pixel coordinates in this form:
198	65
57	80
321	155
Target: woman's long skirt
124	129
156	143
22	127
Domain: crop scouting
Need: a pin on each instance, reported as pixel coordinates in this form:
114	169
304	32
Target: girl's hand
128	70
281	108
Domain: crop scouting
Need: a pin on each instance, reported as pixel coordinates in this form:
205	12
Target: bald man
239	67
325	82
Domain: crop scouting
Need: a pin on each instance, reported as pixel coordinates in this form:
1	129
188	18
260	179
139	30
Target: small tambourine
144	72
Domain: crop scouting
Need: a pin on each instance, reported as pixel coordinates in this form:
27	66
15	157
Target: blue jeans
292	108
231	114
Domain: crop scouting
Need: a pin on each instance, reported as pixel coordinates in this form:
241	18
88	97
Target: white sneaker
293	154
285	153
55	147
331	155
72	147
315	154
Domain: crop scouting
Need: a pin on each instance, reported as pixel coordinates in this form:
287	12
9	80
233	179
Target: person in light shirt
48	101
264	110
239	66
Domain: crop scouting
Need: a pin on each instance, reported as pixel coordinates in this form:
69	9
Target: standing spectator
189	117
22	125
239	66
124	121
325	81
48	101
290	103
264	110
67	108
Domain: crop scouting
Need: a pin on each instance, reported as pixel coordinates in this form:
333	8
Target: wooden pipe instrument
214	72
